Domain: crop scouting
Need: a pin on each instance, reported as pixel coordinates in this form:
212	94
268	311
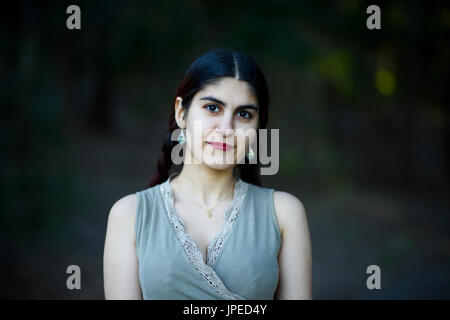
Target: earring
181	137
250	154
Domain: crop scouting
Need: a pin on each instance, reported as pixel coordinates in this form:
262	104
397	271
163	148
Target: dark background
363	118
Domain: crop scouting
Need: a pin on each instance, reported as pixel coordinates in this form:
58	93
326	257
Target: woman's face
223	112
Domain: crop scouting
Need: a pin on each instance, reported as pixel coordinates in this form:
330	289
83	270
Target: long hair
207	69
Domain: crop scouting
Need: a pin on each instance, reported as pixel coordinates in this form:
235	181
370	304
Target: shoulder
124	206
289	210
123	213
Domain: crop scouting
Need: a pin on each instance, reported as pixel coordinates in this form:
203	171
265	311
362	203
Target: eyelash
213	105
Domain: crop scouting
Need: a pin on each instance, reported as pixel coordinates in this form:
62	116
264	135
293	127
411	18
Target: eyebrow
245	106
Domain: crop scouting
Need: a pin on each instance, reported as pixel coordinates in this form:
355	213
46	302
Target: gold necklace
208	210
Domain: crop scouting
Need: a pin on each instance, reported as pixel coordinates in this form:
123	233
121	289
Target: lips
220	145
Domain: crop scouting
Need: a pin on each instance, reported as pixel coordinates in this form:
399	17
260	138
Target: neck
205	185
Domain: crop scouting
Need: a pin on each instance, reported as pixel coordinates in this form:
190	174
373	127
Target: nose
225	125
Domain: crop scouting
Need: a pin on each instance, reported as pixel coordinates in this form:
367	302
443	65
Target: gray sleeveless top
241	260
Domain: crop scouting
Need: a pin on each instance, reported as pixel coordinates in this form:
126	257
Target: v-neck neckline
190	246
215	246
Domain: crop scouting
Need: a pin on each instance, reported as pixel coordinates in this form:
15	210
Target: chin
217	164
218	167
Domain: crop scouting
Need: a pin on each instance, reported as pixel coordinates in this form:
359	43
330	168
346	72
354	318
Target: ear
179	113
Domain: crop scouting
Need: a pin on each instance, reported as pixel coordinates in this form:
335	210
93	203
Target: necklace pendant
209	213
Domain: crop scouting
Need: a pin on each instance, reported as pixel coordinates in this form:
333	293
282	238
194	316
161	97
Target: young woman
201	232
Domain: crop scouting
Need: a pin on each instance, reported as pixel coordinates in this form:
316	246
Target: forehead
229	90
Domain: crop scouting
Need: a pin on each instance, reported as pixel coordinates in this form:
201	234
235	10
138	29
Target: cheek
206	124
207	133
243	141
199	128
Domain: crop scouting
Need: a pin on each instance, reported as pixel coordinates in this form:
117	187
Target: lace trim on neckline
216	245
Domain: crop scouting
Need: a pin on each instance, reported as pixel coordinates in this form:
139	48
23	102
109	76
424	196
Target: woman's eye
245	114
212	108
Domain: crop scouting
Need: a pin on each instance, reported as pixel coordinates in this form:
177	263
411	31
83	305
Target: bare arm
295	257
120	264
